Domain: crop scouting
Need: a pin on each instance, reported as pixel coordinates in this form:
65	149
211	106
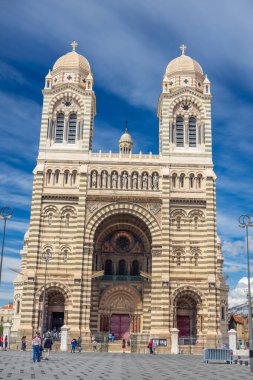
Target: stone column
174	341
7	331
232	340
64	337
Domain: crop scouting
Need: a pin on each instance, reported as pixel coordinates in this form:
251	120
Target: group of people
3	342
152	346
41	345
76	344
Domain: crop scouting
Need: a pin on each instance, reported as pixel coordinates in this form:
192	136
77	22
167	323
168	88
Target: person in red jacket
150	345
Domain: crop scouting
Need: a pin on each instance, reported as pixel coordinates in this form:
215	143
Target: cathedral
123	242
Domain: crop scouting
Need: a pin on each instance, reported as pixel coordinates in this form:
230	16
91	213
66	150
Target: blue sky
129	44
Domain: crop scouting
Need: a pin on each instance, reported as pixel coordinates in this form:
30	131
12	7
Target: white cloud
238	295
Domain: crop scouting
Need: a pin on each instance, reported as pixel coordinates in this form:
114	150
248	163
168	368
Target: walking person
1	342
154	346
113	337
5	343
150	345
94	345
47	346
79	344
36	343
23	343
73	345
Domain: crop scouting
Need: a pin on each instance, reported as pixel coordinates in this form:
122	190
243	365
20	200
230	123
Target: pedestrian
110	337
1	342
47	346
123	345
23	343
73	345
5	343
94	345
113	337
150	344
79	344
36	344
154	346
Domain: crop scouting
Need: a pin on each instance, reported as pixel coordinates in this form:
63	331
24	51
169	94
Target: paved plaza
17	365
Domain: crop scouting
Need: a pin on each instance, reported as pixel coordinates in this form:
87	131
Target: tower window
192	132
180	132
57	176
191	180
72	129
59	128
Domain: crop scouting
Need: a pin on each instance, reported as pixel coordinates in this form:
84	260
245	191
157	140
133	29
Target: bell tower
69	107
184	110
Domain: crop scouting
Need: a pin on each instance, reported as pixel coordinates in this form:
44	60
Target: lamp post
5	214
246	221
46	256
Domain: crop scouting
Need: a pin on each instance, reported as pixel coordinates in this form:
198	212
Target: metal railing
116	277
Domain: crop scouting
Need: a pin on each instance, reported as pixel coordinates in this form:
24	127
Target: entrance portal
120	325
57	320
183	325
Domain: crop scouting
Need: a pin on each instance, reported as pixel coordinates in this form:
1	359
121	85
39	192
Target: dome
72	60
126	138
183	63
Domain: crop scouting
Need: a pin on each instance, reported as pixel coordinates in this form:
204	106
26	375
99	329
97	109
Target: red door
183	325
120	325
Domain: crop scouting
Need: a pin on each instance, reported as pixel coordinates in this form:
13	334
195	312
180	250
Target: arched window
66	177
122	267
67	218
222	313
178	223
18	307
50	218
49	176
199	180
59	128
74	174
72	128
174	180
191	181
180	132
135	268
108	267
57	176
192	132
181	180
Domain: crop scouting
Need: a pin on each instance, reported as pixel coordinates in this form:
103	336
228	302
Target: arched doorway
188	315
122	256
55	313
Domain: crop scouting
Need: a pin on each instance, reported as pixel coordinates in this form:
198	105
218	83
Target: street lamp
46	256
246	221
5	213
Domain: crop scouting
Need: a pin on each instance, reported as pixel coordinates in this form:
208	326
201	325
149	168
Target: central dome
72	60
184	63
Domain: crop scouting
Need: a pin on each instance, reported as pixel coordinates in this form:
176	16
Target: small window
199	181
135	268
192	133
66	177
74	174
59	128
122	267
178	223
191	180
49	176
181	180
57	176
174	180
108	267
223	313
72	128
18	307
180	132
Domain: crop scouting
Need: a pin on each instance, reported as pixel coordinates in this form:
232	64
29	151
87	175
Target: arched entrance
188	314
55	309
122	258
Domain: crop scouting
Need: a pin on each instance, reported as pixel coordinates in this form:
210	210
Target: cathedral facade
126	242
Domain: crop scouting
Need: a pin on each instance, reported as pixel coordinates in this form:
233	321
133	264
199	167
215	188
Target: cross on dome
183	48
74	45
